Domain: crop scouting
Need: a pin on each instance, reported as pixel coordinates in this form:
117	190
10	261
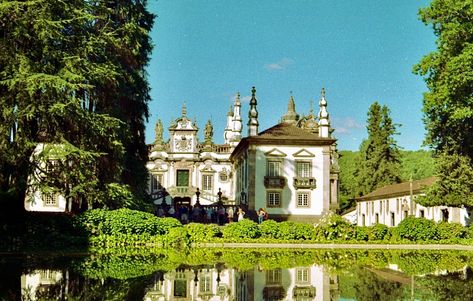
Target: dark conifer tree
379	158
72	74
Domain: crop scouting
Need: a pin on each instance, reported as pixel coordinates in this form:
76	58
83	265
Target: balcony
274	182
304	183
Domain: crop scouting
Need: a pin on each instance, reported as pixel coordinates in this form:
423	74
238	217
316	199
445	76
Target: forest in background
416	164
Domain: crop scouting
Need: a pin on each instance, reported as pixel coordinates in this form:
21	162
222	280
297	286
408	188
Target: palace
291	169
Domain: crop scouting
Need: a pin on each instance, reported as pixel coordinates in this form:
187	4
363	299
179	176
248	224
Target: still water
236	274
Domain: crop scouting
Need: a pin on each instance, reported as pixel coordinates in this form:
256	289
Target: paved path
337	246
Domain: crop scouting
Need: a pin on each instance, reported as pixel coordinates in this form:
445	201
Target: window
393	219
422	213
49	199
303	169
182	179
273	199
273	276
274	168
207	181
363	220
376	218
156	182
205	283
302	275
303	199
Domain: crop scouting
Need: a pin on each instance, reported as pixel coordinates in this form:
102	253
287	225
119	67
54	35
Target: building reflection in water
39	282
223	284
212	283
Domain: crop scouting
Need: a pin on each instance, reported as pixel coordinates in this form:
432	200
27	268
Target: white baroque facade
291	169
391	204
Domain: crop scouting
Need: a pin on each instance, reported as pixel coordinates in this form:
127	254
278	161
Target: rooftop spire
253	115
184	110
291	116
324	123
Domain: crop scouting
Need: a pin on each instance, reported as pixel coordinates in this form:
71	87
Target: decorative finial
311	112
253	91
184	110
237	101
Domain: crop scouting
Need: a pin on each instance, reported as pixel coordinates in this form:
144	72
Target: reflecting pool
236	274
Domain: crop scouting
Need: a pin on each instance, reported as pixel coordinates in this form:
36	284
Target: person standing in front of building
230	214
261	215
241	214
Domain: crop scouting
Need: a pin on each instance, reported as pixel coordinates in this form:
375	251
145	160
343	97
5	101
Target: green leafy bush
451	230
361	233
269	229
295	231
243	229
417	229
334	227
124	221
202	232
379	232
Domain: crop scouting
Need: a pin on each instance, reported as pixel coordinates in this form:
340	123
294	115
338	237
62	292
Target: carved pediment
275	153
303	153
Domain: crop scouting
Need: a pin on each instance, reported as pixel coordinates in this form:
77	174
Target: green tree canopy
379	159
448	104
72	74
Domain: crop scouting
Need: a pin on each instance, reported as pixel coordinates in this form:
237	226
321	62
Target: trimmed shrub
202	232
243	229
379	232
448	230
334	227
295	231
362	233
269	229
124	221
417	229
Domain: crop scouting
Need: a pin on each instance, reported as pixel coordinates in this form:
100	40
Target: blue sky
359	51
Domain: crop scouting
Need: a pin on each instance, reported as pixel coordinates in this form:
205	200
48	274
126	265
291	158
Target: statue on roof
158	130
208	132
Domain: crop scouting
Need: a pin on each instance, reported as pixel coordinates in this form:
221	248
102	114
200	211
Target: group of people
207	214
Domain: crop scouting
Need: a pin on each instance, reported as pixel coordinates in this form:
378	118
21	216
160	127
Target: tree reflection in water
211	274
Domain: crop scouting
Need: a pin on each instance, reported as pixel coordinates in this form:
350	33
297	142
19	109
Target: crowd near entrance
219	213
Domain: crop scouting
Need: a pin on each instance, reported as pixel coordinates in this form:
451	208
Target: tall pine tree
379	158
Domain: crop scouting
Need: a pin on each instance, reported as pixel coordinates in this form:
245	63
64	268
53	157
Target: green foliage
72	74
243	229
361	233
451	231
334	227
202	232
416	165
269	229
379	161
379	232
348	183
124	221
454	182
295	231
417	229
447	105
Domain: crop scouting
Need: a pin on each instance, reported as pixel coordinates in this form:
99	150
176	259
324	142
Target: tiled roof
398	189
287	131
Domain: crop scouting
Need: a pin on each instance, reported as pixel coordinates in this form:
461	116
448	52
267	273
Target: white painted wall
367	210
